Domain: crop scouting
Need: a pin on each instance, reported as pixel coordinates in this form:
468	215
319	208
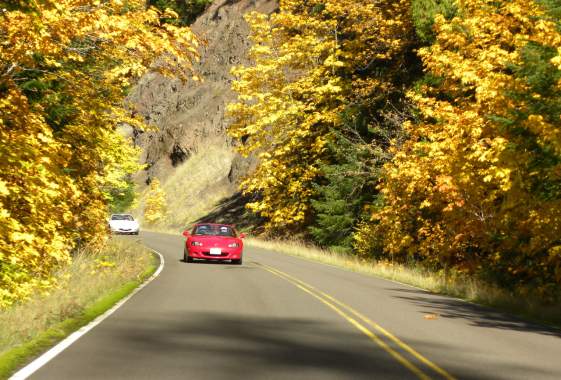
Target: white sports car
123	224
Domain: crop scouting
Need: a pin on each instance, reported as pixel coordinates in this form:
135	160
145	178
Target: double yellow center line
366	326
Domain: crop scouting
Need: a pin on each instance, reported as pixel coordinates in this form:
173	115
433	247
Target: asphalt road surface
280	317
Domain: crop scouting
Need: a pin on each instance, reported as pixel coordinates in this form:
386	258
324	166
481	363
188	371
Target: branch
9	70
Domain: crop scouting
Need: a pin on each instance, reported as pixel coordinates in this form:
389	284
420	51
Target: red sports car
211	241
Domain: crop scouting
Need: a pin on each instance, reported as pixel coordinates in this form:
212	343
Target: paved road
279	317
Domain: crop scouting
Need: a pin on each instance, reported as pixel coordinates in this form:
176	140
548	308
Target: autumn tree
478	184
311	60
65	68
187	10
155	207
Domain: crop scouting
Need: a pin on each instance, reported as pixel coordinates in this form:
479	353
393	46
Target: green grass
94	282
528	306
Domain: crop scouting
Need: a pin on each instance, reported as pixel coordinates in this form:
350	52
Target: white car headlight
233	245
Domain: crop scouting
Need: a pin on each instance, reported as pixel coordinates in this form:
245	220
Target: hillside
190	117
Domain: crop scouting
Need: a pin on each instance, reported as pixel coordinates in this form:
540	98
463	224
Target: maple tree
310	61
477	186
471	156
65	68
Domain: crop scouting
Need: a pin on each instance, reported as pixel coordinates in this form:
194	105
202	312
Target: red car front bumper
225	254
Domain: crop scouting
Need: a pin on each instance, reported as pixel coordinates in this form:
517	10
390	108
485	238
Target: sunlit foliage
311	60
65	67
478	185
155	207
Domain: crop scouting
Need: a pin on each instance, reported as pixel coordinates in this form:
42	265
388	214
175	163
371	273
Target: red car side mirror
242	236
186	233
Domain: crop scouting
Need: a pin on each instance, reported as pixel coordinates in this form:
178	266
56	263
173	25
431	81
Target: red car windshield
214	230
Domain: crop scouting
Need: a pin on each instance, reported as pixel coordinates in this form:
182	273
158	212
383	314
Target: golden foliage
478	184
155	207
309	61
65	67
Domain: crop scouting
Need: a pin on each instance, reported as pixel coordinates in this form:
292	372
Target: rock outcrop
190	117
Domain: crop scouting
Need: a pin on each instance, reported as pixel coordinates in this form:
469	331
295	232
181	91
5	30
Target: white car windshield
122	217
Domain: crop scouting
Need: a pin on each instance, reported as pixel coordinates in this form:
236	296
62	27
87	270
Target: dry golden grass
194	188
92	274
400	273
455	285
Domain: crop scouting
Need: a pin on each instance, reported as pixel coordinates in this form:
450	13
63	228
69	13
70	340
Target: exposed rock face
190	116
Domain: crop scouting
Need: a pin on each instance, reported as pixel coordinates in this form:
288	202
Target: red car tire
237	262
186	257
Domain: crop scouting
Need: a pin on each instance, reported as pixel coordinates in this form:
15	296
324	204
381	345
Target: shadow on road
477	315
232	346
226	263
255	348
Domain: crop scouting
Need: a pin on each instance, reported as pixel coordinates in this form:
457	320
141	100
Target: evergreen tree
340	194
355	155
424	12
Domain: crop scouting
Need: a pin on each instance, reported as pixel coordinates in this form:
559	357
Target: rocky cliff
190	117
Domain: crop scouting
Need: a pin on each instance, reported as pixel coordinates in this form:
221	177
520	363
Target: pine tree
340	195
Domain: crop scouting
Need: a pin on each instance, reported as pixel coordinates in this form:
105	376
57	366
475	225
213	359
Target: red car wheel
237	262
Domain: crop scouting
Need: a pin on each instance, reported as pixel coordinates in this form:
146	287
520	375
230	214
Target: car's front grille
207	253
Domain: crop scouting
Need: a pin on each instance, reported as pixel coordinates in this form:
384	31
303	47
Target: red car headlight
196	244
234	245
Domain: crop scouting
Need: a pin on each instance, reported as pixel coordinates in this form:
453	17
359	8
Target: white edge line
36	364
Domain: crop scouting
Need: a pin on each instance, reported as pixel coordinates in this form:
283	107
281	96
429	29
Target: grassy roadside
94	282
197	198
466	288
